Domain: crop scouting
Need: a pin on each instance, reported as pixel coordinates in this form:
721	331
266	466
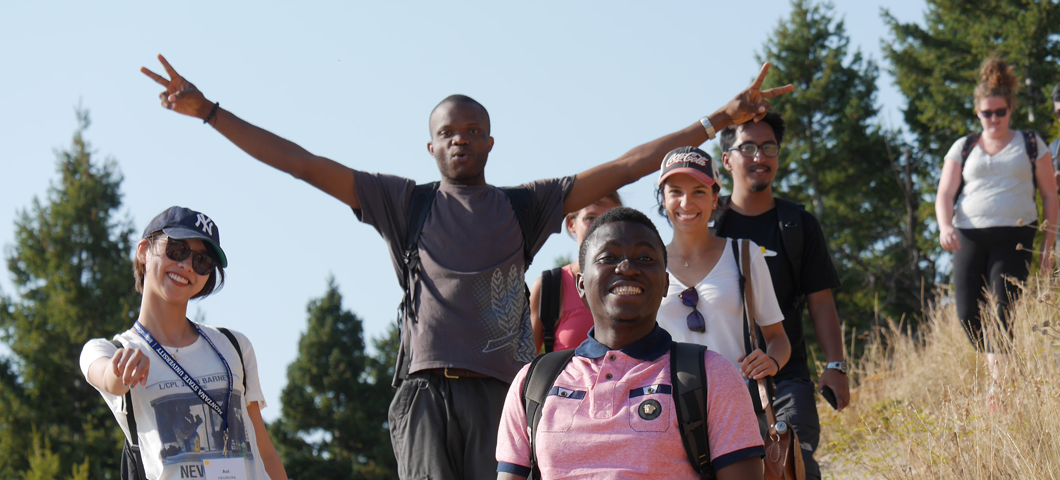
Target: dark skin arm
535	314
826	324
590	185
331	177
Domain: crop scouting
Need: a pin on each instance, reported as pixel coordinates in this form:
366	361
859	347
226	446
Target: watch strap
705	121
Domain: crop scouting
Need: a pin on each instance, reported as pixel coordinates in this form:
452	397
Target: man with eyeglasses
801	270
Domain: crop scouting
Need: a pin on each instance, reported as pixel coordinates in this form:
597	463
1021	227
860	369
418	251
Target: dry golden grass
921	406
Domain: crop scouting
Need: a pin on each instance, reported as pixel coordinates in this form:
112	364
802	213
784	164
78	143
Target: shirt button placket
605	389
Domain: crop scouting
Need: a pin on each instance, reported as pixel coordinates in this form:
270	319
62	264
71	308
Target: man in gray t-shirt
471	328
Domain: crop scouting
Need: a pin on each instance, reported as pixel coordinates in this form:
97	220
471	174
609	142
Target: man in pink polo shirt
611	413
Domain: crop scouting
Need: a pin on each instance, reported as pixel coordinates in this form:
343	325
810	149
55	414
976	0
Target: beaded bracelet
213	111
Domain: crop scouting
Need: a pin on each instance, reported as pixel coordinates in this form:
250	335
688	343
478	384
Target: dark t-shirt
470	301
818	273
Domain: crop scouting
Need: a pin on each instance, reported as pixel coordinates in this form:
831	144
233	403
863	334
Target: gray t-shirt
998	189
470	301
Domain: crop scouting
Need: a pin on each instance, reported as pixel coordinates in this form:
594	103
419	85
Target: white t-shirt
721	304
176	430
998	189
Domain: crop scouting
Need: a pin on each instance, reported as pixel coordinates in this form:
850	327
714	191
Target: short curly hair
616	215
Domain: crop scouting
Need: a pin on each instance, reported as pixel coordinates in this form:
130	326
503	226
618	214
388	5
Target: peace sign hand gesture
180	95
751	104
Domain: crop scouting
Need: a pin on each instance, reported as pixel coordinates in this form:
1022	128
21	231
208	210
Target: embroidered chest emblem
649	409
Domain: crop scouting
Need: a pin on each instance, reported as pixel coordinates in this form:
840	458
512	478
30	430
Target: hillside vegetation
926	407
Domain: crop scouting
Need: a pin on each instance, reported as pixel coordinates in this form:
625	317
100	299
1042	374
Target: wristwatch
705	121
840	365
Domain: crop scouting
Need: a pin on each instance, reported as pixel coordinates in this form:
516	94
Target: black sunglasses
987	114
750	150
178	250
696	323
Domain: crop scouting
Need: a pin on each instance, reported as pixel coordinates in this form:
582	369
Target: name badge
225	469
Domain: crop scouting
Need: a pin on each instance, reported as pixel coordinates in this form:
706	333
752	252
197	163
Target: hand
131	366
948	238
1047	262
180	95
751	104
757	365
839	384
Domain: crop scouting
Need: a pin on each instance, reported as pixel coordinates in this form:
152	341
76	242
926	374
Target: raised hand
180	95
752	103
131	366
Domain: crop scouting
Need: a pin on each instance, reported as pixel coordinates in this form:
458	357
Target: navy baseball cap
185	224
688	160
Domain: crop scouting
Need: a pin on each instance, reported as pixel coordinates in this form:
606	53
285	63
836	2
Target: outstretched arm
593	184
182	97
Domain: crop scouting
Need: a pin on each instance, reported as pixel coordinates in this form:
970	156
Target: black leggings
986	258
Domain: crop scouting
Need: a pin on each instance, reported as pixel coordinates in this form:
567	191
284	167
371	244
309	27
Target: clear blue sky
568	85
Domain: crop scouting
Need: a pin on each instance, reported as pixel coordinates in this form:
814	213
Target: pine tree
72	271
336	399
937	66
835	160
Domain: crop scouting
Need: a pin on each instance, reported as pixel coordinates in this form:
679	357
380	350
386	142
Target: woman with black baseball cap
186	395
703	304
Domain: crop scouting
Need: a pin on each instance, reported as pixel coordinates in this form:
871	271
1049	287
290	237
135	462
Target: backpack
132	462
551	305
1030	141
419	207
688	375
791	237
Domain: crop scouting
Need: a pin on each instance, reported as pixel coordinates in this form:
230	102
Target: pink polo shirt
594	423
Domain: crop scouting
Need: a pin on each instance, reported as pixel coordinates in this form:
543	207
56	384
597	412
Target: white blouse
998	189
721	305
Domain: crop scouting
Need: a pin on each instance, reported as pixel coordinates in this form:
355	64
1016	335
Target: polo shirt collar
648	349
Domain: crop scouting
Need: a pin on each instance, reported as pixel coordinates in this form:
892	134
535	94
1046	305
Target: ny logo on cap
207	224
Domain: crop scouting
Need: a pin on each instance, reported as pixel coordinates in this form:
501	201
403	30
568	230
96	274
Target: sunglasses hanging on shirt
696	323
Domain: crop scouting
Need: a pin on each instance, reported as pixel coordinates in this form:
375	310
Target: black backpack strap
131	450
792	235
688	374
540	377
235	343
1030	141
551	305
522	201
420	204
966	150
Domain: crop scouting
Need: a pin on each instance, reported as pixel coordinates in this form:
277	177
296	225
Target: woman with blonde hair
985	204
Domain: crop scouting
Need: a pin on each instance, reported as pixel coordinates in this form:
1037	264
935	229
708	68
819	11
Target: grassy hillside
923	406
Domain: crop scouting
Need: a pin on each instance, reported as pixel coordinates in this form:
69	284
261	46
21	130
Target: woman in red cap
704	304
186	395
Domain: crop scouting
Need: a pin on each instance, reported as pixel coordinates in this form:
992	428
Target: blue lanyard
188	380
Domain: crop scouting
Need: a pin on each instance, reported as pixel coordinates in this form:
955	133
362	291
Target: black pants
443	428
986	260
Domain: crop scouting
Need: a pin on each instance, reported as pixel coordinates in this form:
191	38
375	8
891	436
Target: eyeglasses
179	250
750	150
987	114
696	323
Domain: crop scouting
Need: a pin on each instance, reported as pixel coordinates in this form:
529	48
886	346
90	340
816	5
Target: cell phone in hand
829	395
